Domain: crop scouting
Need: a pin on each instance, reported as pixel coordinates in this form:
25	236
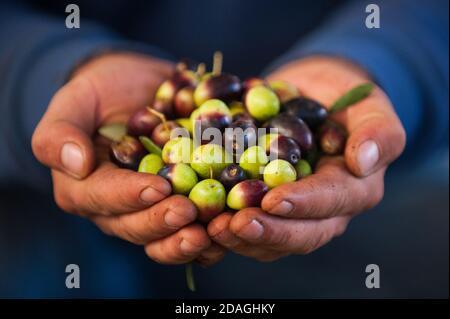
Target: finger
211	255
331	191
156	222
219	230
109	190
287	235
376	135
62	140
182	247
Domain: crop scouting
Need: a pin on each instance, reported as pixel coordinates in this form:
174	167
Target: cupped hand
134	206
299	217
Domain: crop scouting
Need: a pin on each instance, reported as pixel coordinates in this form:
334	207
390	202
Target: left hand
299	217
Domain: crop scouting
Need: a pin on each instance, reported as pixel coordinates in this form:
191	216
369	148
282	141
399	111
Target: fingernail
252	230
72	159
150	195
172	219
282	208
189	248
368	155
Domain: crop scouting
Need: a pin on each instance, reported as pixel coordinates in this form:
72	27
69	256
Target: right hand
134	206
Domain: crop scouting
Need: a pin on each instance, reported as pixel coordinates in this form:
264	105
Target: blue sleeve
407	56
37	54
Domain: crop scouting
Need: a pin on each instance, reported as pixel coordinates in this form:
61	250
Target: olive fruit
262	103
211	114
253	161
151	163
293	127
248	193
225	87
209	160
332	138
278	146
184	102
303	168
244	117
184	78
186	123
164	97
209	197
252	82
181	176
142	123
236	108
284	90
279	172
239	136
161	133
127	153
310	111
312	156
178	150
231	175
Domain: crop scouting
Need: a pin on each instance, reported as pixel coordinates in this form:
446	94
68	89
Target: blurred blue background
406	235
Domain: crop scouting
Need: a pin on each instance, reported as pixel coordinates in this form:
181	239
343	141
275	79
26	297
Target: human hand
299	217
130	205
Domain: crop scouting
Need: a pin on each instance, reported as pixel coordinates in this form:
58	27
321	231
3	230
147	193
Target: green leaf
150	146
114	132
351	97
190	277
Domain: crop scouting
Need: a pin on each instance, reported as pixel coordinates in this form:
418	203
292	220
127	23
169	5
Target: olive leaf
150	146
351	97
190	277
114	132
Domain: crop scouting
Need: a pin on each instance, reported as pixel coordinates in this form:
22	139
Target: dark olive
127	153
310	111
293	127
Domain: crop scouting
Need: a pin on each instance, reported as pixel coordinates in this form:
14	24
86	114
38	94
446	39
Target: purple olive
293	127
239	136
161	133
225	87
184	102
285	148
332	138
232	175
248	193
127	153
310	111
142	123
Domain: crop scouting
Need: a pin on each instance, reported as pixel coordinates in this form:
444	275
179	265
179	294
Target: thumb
376	135
62	139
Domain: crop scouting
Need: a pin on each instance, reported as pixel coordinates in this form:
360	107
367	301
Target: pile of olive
234	171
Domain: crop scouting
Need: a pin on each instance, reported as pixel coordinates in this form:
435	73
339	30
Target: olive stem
201	68
190	277
211	172
217	63
161	116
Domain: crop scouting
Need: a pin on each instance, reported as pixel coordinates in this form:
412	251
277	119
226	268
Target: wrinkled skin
134	206
300	217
